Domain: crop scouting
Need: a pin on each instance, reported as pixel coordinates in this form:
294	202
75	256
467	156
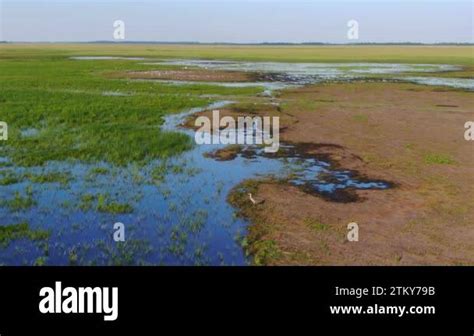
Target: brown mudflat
410	134
193	75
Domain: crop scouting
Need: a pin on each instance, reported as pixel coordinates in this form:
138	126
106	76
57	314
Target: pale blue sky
242	21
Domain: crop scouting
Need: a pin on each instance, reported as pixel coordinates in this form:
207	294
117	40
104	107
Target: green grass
9	177
42	88
53	177
86	202
103	203
158	173
19	201
9	233
266	251
98	171
115	208
63	99
398	54
316	225
40	261
437	158
361	117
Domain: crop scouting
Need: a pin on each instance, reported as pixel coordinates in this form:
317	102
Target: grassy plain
81	110
462	55
77	110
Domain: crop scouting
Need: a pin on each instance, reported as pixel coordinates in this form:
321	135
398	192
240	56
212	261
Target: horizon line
236	43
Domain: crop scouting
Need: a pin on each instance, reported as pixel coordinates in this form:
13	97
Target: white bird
255	201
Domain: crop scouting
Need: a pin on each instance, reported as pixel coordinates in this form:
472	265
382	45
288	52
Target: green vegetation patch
316	225
9	233
256	243
19	201
8	177
103	203
52	177
86	112
67	99
265	252
98	171
437	158
361	117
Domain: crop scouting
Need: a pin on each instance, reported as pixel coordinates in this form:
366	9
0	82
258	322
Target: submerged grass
19	201
52	177
103	203
9	233
98	171
10	177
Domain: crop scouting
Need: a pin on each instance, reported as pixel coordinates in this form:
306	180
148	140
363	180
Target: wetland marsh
91	145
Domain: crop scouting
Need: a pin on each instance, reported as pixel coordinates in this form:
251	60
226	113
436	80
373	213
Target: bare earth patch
409	134
194	75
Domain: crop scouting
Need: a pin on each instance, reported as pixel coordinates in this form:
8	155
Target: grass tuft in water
53	177
103	203
20	202
9	177
18	231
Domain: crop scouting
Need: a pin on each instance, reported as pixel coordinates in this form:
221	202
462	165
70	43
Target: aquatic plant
40	261
8	177
103	203
52	177
9	233
20	202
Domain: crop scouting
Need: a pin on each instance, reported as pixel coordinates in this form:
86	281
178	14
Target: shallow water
106	58
269	87
299	70
183	220
459	83
290	74
312	73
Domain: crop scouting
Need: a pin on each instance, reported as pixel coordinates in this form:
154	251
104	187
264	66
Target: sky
238	21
